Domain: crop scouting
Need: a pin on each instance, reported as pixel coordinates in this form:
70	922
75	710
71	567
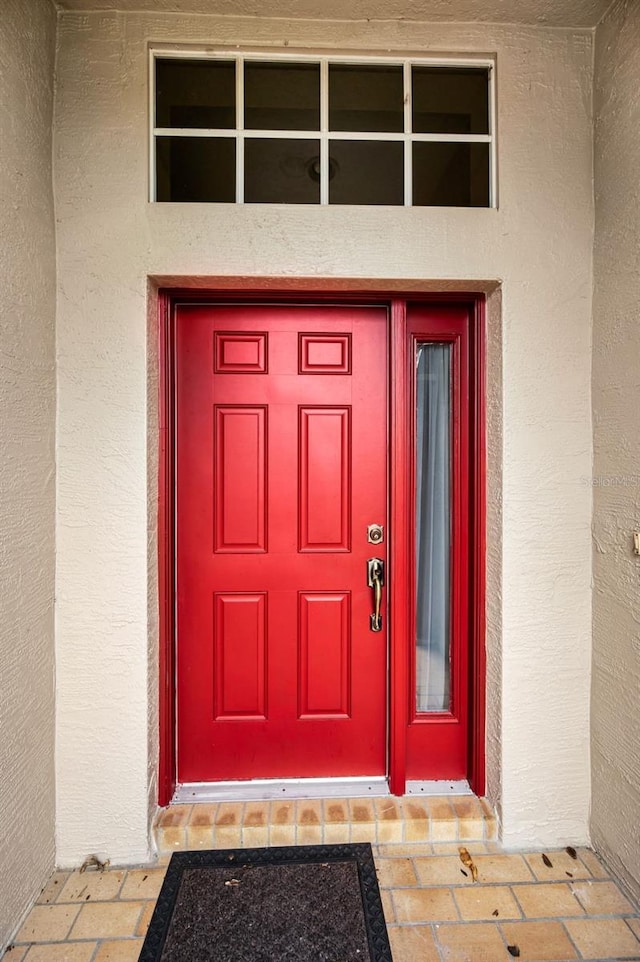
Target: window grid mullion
374	135
408	127
324	132
239	130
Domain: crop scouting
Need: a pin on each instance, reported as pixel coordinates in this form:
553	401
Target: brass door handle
375	580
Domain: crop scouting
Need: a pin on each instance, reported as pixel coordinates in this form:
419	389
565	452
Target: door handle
375	580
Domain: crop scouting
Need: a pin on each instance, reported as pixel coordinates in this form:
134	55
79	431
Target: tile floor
393	821
570	909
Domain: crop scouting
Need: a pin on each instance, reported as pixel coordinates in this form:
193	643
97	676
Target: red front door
281	421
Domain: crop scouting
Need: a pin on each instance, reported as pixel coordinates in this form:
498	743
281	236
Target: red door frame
401	479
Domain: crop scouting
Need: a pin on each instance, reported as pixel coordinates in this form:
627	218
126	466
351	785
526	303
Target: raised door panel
240	479
324	653
325	479
240	655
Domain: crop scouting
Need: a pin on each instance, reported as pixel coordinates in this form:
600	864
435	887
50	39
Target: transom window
310	130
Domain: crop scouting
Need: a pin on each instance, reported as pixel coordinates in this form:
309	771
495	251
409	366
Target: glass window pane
366	172
281	171
450	100
366	98
195	93
196	169
433	527
450	175
282	96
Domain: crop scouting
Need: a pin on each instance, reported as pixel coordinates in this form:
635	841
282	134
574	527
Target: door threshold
268	789
459	787
265	789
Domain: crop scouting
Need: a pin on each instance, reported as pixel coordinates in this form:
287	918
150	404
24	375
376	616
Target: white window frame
323	135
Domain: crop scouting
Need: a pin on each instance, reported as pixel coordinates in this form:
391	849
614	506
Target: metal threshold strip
268	789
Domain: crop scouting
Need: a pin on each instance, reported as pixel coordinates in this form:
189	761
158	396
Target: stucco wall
538	244
27	478
615	819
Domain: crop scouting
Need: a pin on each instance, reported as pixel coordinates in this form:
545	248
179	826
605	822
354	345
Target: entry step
316	821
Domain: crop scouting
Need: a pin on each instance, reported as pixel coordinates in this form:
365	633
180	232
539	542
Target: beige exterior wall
615	694
27	473
538	245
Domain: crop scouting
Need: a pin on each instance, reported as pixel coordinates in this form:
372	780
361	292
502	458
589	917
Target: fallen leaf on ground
547	861
514	950
92	861
466	859
571	851
495	913
232	882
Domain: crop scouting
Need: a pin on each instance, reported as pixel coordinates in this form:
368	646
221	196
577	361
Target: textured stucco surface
615	819
27	479
568	13
538	245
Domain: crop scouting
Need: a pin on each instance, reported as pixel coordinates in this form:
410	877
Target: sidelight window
305	130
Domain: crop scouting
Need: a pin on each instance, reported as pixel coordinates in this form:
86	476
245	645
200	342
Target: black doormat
308	903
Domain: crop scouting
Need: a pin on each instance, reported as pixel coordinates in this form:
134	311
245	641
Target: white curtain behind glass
433	525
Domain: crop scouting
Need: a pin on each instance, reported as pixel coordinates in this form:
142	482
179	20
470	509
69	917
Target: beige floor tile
228	827
391	833
364	832
336	811
562	867
602	898
125	951
424	905
171	839
109	920
145	919
390	822
387	905
282	823
635	926
62	952
442	870
503	868
395	873
170	831
540	941
603	938
143	883
176	816
470	817
92	886
480	942
363	820
255	825
336	834
48	923
387	809
413	944
52	889
478	902
309	821
547	900
203	814
593	863
199	836
362	810
417	826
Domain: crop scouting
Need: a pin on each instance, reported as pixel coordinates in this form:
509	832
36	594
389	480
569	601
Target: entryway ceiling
558	13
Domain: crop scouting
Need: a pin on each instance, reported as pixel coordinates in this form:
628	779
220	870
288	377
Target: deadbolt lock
375	534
